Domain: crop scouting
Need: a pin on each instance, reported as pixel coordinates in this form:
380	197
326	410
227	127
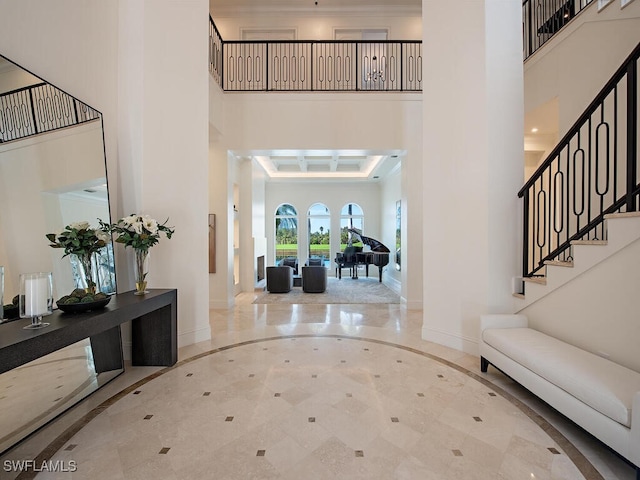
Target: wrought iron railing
593	171
40	108
315	65
215	52
543	18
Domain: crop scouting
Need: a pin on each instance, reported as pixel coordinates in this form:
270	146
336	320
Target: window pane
286	209
318	209
345	235
351	209
319	223
286	232
319	234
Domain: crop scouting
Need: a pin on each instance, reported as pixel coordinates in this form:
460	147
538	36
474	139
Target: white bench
597	394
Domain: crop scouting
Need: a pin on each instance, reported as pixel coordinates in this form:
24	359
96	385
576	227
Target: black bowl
11	313
84	307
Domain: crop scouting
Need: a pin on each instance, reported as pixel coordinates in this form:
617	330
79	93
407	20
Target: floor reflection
37	392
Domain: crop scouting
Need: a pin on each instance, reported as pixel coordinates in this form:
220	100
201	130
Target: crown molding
266	11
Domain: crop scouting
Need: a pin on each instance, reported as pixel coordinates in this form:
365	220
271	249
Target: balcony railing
315	66
592	172
543	18
40	108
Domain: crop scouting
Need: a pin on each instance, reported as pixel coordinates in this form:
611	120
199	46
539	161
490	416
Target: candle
36	296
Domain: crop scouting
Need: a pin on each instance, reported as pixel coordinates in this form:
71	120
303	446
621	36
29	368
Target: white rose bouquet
80	238
141	232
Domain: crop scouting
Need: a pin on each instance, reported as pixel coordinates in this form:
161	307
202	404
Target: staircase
623	229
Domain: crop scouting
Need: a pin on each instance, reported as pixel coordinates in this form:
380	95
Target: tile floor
314	391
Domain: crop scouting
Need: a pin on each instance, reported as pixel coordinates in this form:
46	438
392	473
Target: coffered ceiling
324	165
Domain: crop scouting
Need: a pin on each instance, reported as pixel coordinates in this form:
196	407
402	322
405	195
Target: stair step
518	295
589	242
538	280
622	215
559	263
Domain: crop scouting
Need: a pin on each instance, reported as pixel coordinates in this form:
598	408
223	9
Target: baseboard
392	283
194	336
457	342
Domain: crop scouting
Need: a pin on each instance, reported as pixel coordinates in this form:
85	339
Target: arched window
351	216
286	243
319	221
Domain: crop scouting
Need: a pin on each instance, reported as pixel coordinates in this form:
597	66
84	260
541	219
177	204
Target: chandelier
375	73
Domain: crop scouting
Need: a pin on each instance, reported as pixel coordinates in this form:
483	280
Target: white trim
283	33
194	336
624	3
315	11
603	3
457	342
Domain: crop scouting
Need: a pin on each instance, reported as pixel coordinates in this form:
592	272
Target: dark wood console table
154	332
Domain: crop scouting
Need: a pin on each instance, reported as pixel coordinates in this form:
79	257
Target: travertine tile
378	409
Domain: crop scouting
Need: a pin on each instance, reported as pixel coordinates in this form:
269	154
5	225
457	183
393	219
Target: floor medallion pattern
308	406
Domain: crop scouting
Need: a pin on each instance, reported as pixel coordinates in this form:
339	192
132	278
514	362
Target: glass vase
141	270
87	271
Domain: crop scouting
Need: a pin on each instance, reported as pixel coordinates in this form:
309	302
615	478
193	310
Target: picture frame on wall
398	233
212	243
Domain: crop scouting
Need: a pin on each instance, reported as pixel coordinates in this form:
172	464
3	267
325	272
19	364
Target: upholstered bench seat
596	381
599	395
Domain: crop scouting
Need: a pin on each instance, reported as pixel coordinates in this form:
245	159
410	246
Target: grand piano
378	256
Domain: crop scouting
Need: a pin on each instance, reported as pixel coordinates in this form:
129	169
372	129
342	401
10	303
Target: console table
154	332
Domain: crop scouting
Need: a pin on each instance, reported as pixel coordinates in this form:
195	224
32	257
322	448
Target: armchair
291	262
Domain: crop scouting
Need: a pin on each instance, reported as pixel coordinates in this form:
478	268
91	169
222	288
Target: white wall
320	23
597	311
329	121
127	59
13	77
391	192
578	61
473	164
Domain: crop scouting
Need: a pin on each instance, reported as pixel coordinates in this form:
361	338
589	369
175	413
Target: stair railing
593	171
40	108
542	19
315	65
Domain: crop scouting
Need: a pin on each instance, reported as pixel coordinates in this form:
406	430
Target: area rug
345	290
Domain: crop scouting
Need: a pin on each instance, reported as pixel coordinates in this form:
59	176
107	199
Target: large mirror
52	173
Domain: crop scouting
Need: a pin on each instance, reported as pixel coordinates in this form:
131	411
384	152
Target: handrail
315	65
40	108
542	19
593	171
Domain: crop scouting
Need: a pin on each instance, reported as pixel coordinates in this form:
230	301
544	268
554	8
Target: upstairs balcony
315	65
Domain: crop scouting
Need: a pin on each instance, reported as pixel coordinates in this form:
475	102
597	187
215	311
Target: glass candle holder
36	297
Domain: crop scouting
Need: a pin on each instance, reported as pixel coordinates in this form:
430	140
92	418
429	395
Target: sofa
599	395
